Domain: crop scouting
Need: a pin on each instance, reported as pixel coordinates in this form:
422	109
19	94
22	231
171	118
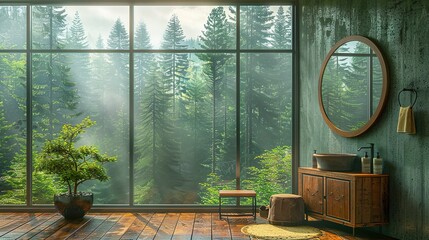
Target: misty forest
178	117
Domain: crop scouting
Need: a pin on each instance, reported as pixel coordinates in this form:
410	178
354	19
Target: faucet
372	151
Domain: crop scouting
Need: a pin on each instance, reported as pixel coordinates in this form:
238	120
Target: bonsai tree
73	165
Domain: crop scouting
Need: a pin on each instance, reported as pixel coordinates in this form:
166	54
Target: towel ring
407	90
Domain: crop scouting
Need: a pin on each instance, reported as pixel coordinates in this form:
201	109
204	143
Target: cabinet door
338	198
312	193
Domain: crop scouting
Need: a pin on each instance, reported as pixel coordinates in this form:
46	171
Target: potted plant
73	166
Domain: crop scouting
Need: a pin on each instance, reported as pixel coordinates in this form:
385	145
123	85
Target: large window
191	99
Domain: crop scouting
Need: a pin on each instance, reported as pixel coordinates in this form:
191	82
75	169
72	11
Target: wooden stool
238	194
286	209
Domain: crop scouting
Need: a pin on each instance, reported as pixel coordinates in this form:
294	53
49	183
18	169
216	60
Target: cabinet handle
312	194
341	196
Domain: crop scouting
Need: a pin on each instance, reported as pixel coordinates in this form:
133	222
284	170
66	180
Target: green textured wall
401	29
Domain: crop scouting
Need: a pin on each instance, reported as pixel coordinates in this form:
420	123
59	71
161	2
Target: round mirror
353	86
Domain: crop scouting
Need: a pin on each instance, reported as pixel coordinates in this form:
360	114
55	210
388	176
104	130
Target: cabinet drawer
338	198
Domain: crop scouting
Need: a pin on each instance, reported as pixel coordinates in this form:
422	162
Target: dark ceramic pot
73	206
263	211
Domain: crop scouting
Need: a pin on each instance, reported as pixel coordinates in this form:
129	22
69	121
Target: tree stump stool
286	209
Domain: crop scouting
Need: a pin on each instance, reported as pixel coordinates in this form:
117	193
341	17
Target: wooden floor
143	226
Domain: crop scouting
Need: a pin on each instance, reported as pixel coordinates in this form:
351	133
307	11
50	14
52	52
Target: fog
99	20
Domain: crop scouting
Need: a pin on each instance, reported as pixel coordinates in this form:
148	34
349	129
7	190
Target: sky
99	20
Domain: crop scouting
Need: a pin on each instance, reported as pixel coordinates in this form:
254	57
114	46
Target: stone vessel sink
341	162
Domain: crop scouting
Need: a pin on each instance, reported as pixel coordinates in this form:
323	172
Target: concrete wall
401	29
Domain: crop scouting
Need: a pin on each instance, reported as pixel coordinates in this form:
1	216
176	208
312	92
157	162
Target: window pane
185	99
180	27
185	130
80	27
104	96
266	27
69	87
266	123
13	27
12	128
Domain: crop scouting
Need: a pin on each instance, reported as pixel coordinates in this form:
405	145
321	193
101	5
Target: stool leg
254	209
220	207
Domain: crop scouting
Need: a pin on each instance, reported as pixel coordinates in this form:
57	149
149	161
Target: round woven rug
269	231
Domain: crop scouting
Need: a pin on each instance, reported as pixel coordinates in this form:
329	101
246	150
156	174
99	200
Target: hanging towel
406	122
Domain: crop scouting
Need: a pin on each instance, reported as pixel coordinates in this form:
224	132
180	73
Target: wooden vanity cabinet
351	199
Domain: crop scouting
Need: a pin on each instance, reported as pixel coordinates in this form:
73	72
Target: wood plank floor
144	226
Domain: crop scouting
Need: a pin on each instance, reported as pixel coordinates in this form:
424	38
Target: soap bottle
314	160
366	165
377	164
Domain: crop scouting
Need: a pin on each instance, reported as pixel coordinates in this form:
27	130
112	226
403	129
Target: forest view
178	114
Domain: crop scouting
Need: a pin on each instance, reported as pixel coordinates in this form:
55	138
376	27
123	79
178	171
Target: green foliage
14	191
209	193
73	165
273	175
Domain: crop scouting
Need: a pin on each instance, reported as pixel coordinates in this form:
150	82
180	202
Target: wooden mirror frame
383	97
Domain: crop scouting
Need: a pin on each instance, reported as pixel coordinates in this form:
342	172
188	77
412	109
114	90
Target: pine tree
148	96
118	39
76	38
12	107
142	60
158	163
333	94
79	64
118	69
99	94
166	159
281	86
357	104
256	24
49	27
174	65
12	27
215	36
196	127
115	115
282	35
54	94
150	113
